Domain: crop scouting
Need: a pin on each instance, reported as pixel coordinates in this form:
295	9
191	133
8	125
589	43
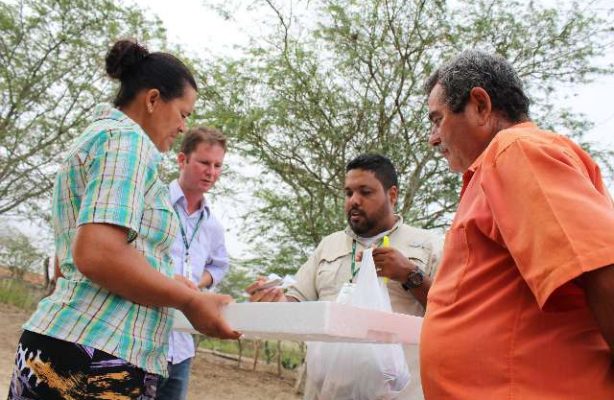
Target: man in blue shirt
199	252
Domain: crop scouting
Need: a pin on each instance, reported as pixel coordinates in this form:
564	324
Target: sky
200	30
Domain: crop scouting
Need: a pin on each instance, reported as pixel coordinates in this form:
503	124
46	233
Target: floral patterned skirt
49	368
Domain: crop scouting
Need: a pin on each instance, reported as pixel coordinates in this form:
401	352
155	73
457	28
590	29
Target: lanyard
353	266
187	266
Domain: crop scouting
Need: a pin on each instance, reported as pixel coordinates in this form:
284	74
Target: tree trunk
279	358
240	343
46	272
300	377
300	373
256	354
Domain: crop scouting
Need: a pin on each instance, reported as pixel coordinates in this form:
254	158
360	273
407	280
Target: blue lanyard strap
184	235
353	266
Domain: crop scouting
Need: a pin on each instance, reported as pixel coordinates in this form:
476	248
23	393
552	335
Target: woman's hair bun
123	57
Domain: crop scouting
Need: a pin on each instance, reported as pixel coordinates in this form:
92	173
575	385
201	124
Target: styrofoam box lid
316	321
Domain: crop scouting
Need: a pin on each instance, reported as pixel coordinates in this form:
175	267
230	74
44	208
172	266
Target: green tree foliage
18	254
235	281
51	75
345	77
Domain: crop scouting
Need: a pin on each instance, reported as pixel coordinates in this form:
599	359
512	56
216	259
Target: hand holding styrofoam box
316	321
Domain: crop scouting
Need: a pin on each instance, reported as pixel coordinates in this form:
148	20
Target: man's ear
152	98
393	195
480	100
182	159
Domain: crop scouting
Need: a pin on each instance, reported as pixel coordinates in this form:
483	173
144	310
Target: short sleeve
117	172
552	214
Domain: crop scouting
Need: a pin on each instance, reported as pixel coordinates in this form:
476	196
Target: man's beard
360	228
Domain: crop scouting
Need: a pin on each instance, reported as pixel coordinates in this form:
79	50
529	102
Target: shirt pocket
419	255
159	222
331	275
158	228
452	268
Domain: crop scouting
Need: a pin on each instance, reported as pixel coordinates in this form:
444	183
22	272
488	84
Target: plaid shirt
110	176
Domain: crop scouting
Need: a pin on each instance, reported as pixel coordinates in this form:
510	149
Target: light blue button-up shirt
207	252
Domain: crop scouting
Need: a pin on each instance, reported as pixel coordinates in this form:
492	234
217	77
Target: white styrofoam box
316	321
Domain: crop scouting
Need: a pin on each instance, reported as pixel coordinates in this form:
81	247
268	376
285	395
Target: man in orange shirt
523	304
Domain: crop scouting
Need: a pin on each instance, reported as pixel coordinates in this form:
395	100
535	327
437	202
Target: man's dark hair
381	167
491	72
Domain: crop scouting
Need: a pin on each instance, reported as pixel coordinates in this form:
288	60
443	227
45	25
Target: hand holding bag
358	371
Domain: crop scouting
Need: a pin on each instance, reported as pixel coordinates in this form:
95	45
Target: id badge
187	268
345	294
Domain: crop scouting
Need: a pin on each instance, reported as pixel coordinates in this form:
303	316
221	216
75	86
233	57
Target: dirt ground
213	378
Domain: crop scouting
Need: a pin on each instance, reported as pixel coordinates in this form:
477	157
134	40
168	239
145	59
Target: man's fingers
259	295
254	296
272	294
254	287
279	295
378	251
267	295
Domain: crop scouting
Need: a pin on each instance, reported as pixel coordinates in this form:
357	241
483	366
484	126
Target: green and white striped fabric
110	176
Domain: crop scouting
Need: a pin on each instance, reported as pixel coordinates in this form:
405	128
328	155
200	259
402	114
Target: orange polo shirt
505	319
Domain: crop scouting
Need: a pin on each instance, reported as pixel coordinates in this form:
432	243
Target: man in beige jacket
371	191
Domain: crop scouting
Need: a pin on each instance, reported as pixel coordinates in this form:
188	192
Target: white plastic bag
358	371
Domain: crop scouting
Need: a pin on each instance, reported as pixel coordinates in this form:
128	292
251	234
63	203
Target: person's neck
500	124
388	224
135	113
194	198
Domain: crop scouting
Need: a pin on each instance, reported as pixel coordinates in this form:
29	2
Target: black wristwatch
415	279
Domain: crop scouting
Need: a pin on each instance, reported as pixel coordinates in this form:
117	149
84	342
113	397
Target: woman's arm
102	254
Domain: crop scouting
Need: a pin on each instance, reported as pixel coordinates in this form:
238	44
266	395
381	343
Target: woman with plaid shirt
103	333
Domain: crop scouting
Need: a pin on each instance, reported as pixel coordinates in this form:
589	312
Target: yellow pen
386	243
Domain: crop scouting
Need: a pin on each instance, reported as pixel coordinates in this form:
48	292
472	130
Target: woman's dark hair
137	69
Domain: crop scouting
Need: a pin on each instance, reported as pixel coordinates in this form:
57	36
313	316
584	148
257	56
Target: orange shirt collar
468	174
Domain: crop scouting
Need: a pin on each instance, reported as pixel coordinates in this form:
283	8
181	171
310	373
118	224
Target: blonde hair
202	134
